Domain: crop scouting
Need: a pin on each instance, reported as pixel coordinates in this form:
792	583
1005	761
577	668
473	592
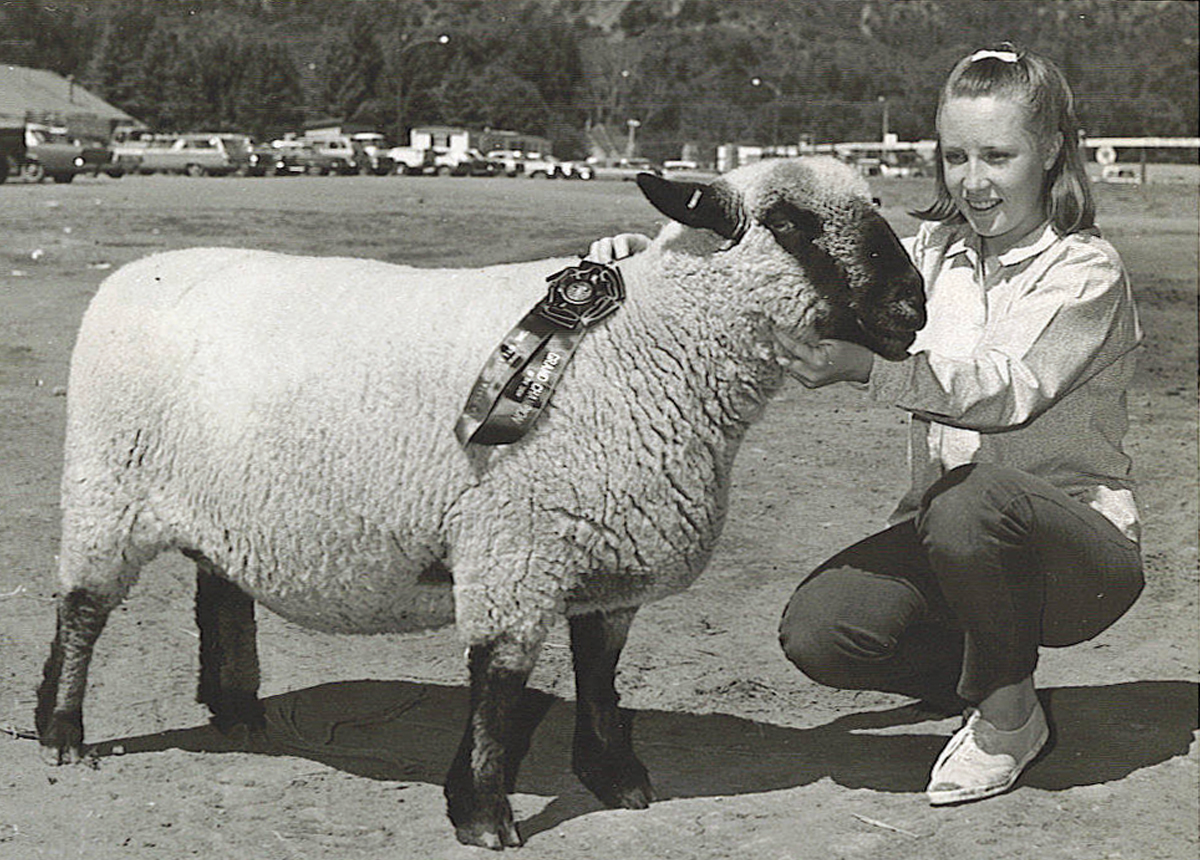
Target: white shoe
981	760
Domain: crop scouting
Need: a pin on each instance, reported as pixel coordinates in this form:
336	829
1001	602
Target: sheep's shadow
399	730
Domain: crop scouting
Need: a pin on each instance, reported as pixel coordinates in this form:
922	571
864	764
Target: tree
115	67
352	67
413	64
267	98
159	95
492	97
40	35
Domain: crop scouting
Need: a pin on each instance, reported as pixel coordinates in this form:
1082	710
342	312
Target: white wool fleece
292	419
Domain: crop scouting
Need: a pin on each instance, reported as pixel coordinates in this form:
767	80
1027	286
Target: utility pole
774	88
398	75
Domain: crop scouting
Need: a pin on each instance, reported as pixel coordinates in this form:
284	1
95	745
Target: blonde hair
1039	84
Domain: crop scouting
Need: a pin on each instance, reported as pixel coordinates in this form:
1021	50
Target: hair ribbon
1002	56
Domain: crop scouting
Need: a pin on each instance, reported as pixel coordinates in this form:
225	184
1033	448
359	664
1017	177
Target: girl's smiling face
994	167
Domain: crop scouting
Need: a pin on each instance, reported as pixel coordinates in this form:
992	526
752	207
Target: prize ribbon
521	373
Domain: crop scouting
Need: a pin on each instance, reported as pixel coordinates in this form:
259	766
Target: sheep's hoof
496	834
238	713
483	837
61	742
619	785
488	825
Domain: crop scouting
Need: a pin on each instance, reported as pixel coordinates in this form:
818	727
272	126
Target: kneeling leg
603	756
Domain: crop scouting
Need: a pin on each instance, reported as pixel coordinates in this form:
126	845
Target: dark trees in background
827	69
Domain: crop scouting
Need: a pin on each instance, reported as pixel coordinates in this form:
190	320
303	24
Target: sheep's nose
908	298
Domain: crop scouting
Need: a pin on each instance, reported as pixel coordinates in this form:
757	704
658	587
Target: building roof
38	92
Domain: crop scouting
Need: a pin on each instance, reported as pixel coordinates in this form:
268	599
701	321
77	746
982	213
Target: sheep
286	422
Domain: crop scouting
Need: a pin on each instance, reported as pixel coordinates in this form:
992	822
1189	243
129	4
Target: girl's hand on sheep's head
824	362
618	247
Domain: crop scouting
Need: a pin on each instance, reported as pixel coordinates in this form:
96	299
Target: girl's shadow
400	730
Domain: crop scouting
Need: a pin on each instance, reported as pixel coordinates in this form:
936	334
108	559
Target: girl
1019	529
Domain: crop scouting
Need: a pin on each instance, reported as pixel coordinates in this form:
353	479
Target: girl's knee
826	646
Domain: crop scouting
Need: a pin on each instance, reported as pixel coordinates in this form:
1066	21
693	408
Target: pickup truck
193	154
49	151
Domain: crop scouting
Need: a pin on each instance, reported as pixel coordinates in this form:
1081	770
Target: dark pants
996	563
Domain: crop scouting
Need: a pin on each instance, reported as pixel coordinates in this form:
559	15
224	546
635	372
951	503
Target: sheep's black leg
603	756
497	735
229	673
59	714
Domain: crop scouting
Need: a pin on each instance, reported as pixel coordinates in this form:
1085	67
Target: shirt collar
1038	240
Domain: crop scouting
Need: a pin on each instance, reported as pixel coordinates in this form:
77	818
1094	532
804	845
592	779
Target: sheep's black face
874	294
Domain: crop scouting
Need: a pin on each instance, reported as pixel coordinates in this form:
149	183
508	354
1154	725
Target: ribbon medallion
521	373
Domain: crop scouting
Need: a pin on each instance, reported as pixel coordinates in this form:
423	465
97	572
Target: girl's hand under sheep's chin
618	247
825	362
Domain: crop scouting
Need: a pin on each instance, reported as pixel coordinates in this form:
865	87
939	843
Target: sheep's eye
784	219
778	223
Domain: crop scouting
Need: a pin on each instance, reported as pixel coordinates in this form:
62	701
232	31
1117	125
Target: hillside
682	68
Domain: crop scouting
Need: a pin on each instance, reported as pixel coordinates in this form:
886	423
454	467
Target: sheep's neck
696	350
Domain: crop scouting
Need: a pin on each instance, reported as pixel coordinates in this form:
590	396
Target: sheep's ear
709	207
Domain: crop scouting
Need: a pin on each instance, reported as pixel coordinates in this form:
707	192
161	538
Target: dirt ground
750	760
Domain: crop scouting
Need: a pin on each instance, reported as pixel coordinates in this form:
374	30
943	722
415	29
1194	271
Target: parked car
50	151
514	162
688	170
470	162
196	154
340	148
122	164
576	170
378	152
625	169
538	166
299	156
511	161
1120	174
353	153
412	160
261	158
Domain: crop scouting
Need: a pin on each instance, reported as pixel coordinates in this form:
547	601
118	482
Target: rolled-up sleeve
1065	326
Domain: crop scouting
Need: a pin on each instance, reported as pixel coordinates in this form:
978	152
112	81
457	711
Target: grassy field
750	759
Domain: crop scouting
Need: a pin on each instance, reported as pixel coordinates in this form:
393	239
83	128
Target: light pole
884	119
620	97
762	82
631	144
399	77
